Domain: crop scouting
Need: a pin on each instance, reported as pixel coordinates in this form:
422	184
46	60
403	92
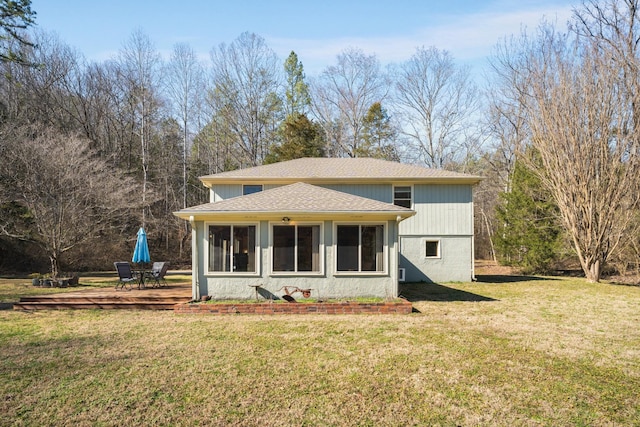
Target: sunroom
295	236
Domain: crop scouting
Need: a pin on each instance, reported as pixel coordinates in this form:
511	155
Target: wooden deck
162	298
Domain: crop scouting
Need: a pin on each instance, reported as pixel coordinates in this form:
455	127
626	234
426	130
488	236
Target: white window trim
393	193
231	273
385	249
424	248
321	251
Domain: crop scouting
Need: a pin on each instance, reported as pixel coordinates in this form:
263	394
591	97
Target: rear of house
341	227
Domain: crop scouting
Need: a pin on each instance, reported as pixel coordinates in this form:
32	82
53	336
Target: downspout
473	240
195	271
396	253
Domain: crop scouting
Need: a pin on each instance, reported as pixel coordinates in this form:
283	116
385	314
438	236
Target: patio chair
125	275
157	273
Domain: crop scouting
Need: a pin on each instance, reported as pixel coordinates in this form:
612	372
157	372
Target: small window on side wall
402	196
432	249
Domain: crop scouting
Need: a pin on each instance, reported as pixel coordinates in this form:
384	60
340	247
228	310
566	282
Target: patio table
142	275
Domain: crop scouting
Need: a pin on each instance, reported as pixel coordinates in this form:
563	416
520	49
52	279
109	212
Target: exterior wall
224	191
379	192
440	210
444	212
455	263
329	284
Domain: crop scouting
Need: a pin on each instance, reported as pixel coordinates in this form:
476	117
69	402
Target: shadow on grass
415	292
488	278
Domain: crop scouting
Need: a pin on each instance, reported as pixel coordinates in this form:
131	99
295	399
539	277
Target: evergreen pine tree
529	233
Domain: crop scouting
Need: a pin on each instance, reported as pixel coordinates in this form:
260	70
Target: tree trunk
594	271
54	265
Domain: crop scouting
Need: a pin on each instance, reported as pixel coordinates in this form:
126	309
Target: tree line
93	150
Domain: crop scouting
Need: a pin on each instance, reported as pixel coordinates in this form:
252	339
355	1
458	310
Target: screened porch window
296	248
360	248
232	248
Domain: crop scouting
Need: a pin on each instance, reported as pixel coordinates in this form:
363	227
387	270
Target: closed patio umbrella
141	251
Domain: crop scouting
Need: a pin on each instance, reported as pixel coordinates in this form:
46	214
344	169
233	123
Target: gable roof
322	169
298	198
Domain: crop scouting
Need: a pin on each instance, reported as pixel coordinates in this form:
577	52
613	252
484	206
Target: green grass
536	352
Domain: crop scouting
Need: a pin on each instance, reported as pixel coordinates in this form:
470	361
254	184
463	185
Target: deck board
162	298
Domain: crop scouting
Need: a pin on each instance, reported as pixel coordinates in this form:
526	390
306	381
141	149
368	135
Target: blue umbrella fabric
141	251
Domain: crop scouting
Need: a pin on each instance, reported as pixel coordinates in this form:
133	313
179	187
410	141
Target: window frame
295	272
232	224
411	195
385	249
438	242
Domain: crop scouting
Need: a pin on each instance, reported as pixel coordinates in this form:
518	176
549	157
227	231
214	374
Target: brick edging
389	307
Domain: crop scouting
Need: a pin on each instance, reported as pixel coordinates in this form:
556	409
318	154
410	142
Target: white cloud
469	38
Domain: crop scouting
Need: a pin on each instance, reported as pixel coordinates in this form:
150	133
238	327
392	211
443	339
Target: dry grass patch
542	352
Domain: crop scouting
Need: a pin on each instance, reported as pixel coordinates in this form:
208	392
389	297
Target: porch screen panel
220	248
244	248
284	247
308	248
347	249
372	248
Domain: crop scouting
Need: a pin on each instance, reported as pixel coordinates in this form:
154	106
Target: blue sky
316	30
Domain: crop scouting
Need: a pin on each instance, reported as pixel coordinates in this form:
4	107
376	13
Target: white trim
385	249
321	250
231	273
424	247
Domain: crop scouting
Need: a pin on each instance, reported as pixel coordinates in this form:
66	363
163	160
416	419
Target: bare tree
576	103
436	102
70	194
246	84
139	67
342	96
184	84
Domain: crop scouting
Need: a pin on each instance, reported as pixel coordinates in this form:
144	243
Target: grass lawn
524	352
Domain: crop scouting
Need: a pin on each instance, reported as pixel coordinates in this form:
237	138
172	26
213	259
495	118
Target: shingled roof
298	198
338	169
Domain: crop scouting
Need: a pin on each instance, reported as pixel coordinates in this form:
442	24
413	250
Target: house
342	227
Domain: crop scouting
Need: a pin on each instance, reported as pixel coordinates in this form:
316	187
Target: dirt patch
491	268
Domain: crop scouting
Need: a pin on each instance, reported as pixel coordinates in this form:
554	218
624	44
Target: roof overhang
211	180
293	216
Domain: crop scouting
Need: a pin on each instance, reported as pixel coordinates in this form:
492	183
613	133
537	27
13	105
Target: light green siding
225	191
379	192
440	210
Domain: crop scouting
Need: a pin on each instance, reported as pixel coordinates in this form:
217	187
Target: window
232	248
250	189
402	196
432	249
296	248
360	248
